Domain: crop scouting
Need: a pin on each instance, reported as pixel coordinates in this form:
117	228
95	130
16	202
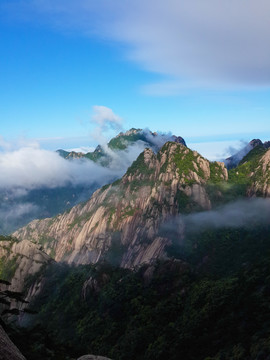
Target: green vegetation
216	173
211	303
44	240
243	174
185	204
139	167
209	300
82	218
8	238
8	267
123	141
186	162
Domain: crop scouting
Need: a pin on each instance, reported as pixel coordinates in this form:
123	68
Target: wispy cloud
210	43
105	120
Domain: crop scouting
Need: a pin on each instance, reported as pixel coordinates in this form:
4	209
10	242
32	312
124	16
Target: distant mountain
253	172
235	159
45	202
121	142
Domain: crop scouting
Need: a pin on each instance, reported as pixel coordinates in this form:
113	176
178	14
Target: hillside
123	220
253	172
171	260
19	205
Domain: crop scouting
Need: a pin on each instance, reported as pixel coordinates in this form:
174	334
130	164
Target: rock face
8	351
261	177
123	222
19	260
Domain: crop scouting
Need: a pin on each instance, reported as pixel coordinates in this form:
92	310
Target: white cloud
216	43
241	213
82	149
105	117
245	213
216	150
106	120
32	168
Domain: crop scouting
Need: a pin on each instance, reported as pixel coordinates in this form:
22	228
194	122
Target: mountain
20	206
19	260
121	142
253	172
171	260
234	160
123	221
128	222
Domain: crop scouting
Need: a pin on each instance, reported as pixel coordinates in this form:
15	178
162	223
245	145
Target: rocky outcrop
261	177
8	351
123	221
19	260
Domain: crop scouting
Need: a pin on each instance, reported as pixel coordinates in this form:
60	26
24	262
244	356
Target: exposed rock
21	260
8	351
123	220
261	177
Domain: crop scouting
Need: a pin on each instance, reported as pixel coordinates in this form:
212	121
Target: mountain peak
234	160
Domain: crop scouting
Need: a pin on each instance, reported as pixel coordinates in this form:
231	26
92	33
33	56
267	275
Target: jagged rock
123	221
8	351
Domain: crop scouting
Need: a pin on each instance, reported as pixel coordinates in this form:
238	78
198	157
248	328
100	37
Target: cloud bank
193	43
243	213
34	181
31	168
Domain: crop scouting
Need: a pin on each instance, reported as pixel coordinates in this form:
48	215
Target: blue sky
201	72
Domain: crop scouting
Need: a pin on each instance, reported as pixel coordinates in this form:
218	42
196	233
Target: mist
38	183
244	213
237	155
157	139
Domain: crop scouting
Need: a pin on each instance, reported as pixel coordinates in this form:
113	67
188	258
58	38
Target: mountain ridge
155	187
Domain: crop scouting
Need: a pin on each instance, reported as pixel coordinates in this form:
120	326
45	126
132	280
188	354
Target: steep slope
19	260
232	161
19	205
123	222
253	172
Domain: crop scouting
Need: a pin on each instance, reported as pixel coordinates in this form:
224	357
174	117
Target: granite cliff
123	221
